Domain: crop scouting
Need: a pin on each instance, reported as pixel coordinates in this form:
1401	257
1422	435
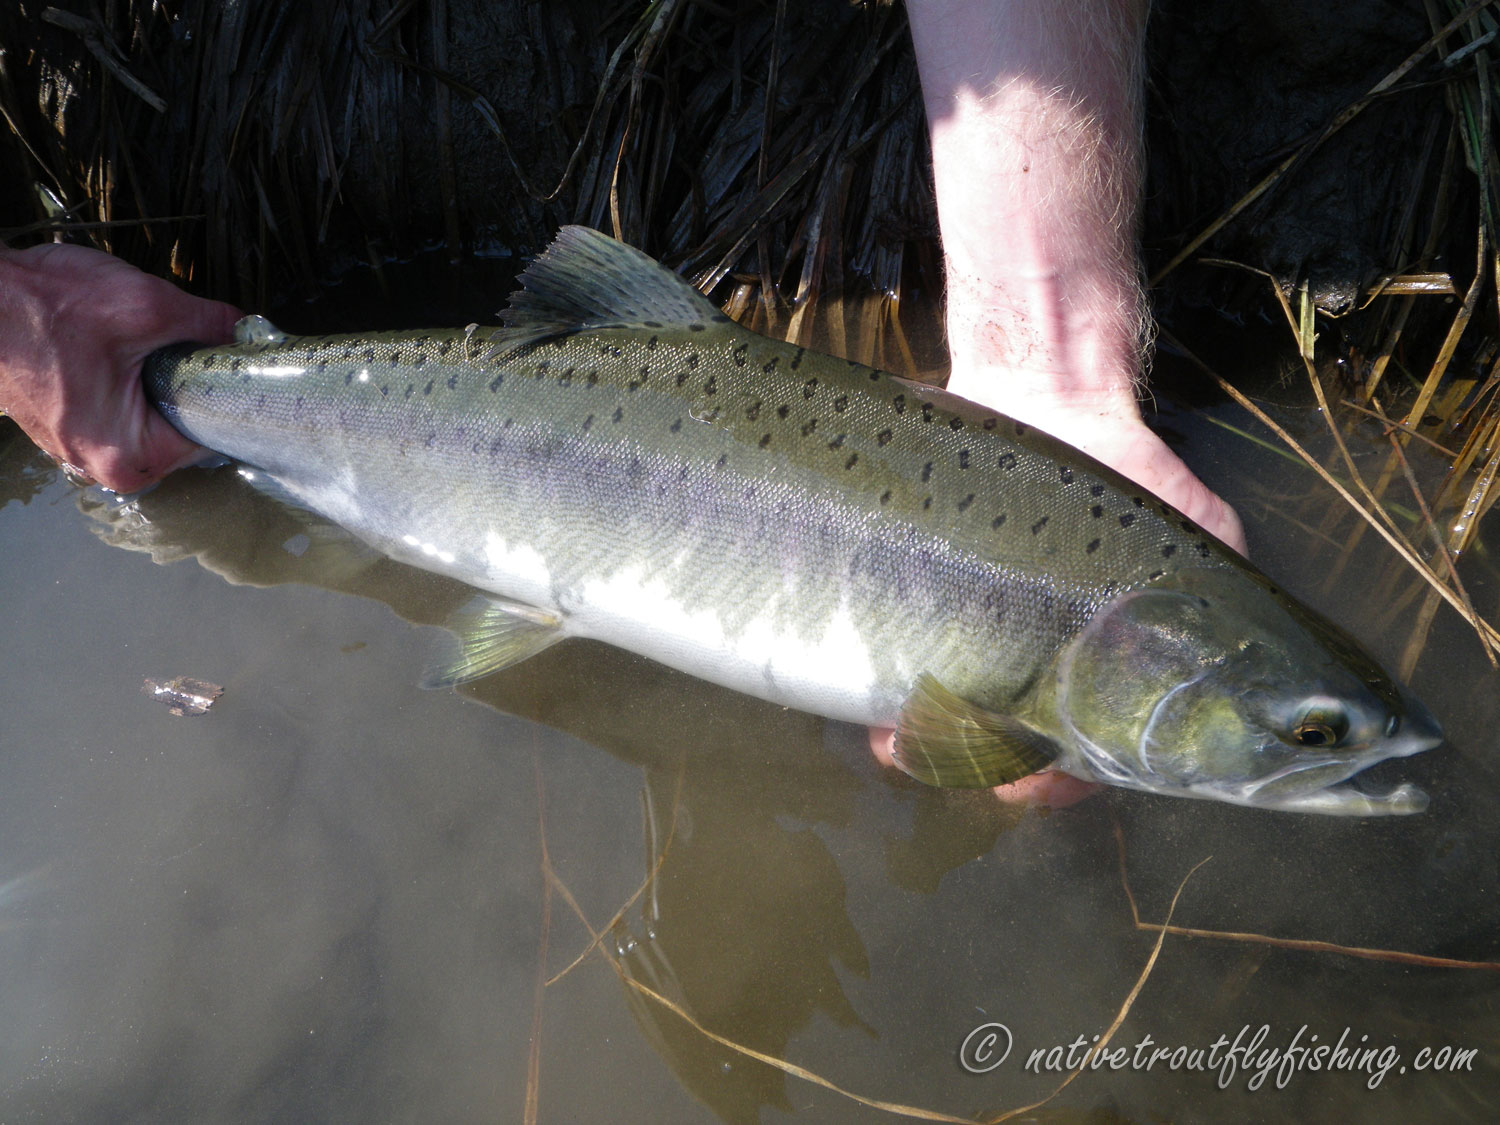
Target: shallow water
327	898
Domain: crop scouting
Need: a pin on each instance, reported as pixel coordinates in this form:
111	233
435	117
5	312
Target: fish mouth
1347	797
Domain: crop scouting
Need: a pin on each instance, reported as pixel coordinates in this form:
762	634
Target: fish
619	460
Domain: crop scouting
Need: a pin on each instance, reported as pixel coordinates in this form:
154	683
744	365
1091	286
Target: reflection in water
324	898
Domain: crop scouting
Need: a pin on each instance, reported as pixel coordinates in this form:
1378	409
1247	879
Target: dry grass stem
1339	120
1393	955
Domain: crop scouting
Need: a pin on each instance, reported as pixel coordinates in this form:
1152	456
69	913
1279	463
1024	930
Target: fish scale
622	461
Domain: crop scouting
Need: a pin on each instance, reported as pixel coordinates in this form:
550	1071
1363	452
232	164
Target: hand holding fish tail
75	325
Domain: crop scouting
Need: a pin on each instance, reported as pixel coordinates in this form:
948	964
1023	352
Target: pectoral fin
489	634
944	740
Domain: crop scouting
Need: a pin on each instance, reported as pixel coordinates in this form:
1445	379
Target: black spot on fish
752	411
927	412
682	377
494	384
588	423
885	497
809	388
1137	501
853	458
385	390
797	359
963	505
722	461
1092	547
841	403
637	384
445	347
837	442
1097	510
676	426
874	375
234	364
541	372
765	440
369	355
1037	527
651	344
1096	490
963	458
1168	551
396	359
593	377
712	386
1127	519
348	377
899	402
697	328
619	413
738	354
1006	461
989	423
1203	550
296	406
927	472
1066	474
651	324
884	436
682	473
809	426
692	361
453	382
566	378
1187	526
419	361
955	424
432	437
1021	428
783	410
770	364
998	522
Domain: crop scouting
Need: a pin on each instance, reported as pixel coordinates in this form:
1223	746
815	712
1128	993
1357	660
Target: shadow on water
328	896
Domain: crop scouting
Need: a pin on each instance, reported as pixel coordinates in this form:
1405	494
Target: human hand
75	325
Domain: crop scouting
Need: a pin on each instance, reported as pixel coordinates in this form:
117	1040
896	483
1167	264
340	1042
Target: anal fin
489	634
944	740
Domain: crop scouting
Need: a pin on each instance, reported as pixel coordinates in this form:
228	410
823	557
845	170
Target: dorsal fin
588	280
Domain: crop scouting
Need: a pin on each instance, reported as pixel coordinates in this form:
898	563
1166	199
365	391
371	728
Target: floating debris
183	695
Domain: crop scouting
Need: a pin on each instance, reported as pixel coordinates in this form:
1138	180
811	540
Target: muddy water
329	898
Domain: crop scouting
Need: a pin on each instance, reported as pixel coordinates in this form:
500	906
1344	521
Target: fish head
1217	685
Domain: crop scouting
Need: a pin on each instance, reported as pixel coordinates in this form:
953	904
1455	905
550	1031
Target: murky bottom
338	897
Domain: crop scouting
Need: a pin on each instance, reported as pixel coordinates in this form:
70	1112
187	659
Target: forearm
1034	112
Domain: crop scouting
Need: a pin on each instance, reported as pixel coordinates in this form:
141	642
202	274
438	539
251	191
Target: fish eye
1321	728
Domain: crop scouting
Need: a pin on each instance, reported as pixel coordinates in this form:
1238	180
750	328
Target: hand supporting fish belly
623	462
